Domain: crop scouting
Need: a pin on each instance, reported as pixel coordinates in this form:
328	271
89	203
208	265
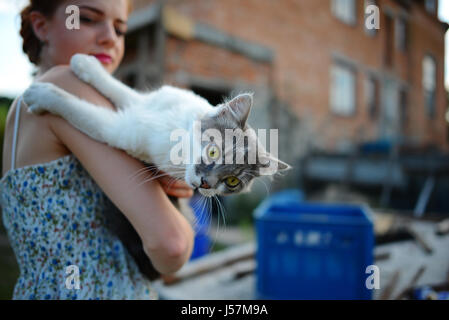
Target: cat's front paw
85	67
37	96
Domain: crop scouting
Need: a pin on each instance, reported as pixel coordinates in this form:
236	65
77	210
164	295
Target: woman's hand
176	188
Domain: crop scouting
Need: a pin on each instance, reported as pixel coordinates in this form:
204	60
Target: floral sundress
53	214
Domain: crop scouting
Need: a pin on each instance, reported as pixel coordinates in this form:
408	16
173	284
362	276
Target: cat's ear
270	165
239	107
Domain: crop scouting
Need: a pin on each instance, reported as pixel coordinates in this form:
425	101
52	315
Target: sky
15	70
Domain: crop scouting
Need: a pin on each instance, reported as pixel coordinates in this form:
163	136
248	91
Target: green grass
4	107
9	270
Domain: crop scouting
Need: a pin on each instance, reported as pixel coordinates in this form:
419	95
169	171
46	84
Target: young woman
56	179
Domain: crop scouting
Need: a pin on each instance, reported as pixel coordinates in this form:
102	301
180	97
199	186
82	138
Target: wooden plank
388	291
212	263
383	223
382	256
413	283
244	269
424	197
442	228
408	256
420	239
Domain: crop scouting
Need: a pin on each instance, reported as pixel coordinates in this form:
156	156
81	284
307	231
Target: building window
342	90
401	34
431	6
372	96
345	10
429	80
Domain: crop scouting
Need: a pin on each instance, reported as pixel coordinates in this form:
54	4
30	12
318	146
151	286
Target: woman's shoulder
36	142
63	77
40	136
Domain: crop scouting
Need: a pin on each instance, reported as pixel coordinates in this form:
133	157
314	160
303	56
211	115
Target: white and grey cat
143	123
142	126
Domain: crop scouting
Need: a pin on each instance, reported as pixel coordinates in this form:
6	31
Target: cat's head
230	155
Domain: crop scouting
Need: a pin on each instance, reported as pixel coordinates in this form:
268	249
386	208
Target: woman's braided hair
32	46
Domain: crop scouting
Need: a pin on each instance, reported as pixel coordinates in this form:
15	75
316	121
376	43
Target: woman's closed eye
120	32
85	19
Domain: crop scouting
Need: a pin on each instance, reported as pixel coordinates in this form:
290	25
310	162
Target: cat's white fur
163	111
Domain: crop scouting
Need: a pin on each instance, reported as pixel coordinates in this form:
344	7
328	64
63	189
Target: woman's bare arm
166	235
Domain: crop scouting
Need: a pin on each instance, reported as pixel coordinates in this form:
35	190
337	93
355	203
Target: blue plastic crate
312	251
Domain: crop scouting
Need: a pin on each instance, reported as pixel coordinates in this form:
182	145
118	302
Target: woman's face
101	33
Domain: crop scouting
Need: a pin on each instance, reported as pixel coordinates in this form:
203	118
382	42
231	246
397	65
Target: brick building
319	74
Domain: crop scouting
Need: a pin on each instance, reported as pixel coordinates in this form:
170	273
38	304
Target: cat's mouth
207	192
200	185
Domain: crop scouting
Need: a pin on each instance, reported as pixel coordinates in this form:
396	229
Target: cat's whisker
208	212
152	178
148	169
218	226
195	221
144	169
195	202
131	179
209	218
266	187
203	205
139	173
173	180
219	213
261	180
210	222
170	169
222	211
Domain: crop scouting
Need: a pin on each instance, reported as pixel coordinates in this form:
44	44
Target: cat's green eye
213	152
232	182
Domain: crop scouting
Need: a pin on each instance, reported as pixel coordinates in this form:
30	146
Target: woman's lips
103	58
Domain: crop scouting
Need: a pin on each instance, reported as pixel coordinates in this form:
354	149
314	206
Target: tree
4	107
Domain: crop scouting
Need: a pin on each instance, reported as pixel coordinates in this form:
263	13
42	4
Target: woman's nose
107	36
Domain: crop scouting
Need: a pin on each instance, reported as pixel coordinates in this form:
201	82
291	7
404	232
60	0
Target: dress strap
16	128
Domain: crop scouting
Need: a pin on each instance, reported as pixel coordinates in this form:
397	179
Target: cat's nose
204	184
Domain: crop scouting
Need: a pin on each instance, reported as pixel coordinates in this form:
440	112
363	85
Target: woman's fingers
179	193
175	188
172	182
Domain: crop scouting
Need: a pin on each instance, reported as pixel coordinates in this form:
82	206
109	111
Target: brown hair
32	46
